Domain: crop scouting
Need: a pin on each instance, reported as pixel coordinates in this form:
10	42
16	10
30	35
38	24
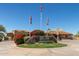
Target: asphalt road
8	48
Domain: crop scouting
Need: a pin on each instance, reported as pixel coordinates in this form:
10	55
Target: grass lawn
42	45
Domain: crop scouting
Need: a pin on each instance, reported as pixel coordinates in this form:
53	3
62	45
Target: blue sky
16	16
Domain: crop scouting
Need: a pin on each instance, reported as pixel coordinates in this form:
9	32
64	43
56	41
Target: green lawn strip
42	45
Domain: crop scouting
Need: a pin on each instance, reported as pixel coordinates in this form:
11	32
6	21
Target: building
60	33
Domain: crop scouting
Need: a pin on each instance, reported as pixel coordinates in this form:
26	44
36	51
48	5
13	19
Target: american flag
47	22
41	8
30	20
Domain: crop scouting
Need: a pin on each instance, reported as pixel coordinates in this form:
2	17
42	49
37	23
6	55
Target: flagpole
41	15
47	23
40	20
30	23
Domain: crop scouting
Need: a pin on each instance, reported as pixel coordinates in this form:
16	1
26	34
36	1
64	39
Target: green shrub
19	41
0	39
6	38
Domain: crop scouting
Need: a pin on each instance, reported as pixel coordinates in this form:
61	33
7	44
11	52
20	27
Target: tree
26	33
77	34
37	33
2	28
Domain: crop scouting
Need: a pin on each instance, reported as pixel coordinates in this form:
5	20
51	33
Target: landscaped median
37	39
42	45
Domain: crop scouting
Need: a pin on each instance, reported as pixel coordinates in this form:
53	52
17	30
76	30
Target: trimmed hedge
19	41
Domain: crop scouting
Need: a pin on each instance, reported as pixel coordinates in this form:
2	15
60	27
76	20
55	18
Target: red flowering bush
19	39
19	36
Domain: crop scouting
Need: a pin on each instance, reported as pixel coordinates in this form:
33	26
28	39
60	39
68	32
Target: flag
30	20
47	22
41	8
